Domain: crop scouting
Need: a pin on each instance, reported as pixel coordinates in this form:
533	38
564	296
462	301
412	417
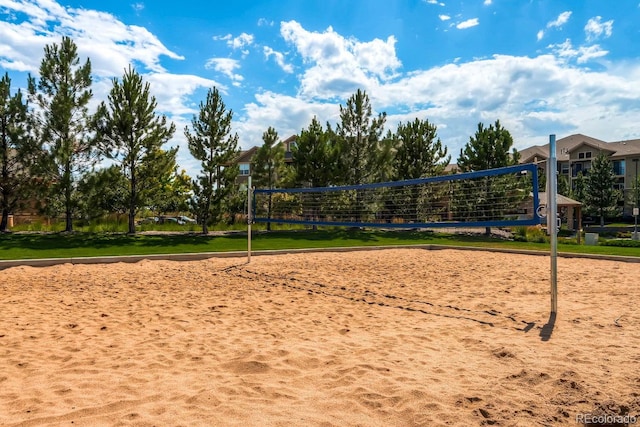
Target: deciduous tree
173	193
104	192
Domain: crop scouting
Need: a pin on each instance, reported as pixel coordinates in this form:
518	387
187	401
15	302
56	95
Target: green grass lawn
57	245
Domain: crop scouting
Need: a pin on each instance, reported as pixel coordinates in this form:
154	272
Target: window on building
564	168
581	155
245	169
587	155
619	167
577	168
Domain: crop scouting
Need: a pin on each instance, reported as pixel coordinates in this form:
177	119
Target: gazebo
570	204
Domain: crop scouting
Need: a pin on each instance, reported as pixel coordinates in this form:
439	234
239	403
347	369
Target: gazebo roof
560	199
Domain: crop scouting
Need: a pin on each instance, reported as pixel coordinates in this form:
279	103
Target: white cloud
581	54
263	22
562	19
174	91
241	41
287	114
487	2
336	64
279	58
436	2
226	66
444	17
138	6
38	12
595	28
532	97
111	44
505	87
467	24
223	38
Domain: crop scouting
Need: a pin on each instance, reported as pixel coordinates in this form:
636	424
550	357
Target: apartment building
245	159
574	154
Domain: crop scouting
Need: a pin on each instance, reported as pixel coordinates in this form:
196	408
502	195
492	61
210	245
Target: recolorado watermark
615	420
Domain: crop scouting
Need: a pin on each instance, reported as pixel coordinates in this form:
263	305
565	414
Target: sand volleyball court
398	337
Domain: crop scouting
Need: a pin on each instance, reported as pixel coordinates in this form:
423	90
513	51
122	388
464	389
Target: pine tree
419	154
131	134
15	144
360	135
419	151
314	157
62	94
488	149
600	196
212	144
314	160
578	188
563	185
268	165
385	161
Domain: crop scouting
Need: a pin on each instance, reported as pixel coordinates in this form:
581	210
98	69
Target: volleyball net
500	197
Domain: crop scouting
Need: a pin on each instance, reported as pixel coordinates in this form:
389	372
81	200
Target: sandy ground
398	337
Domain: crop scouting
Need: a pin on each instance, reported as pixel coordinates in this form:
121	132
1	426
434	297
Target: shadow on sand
547	329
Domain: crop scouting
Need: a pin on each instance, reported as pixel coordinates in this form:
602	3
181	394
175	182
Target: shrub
568	240
520	234
621	243
536	235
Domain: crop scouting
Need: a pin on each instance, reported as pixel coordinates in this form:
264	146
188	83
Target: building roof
531	154
560	199
451	168
626	148
246	155
292	138
565	146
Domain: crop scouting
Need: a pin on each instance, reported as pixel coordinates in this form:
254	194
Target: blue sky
539	66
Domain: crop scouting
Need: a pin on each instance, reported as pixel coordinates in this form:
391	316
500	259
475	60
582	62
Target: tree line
51	146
